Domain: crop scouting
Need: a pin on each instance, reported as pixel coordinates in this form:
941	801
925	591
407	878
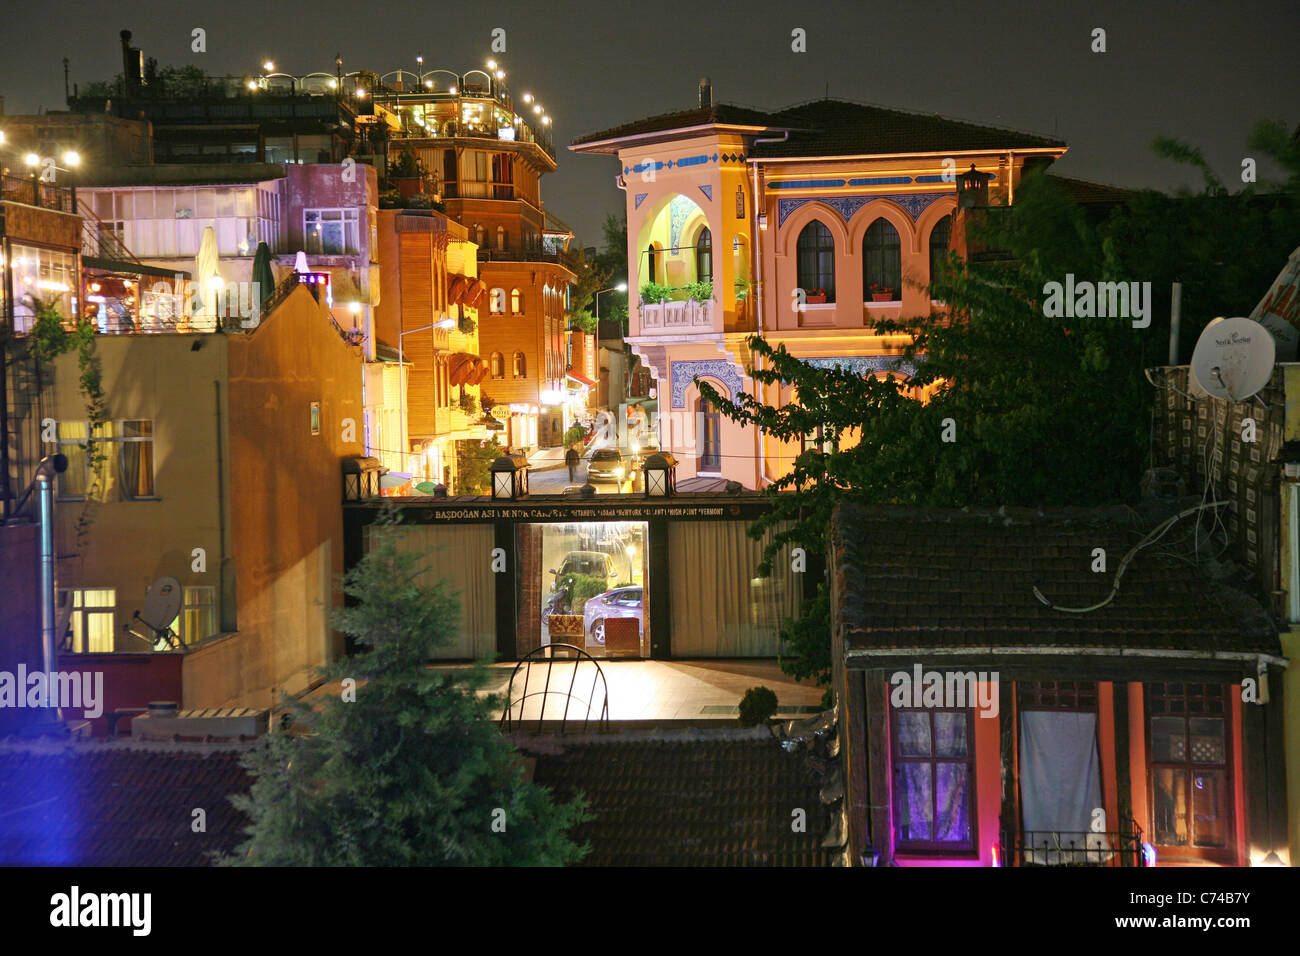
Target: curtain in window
135	461
72	438
1060	786
931	795
443	551
720	607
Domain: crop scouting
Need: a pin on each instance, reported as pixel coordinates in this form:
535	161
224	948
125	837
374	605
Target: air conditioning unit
229	723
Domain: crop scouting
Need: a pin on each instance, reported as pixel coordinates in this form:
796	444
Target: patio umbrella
263	274
205	267
300	262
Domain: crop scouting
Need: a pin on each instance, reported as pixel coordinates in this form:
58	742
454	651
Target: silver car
606	465
620	602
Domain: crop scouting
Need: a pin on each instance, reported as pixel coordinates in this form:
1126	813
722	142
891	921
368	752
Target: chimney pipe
132	65
706	93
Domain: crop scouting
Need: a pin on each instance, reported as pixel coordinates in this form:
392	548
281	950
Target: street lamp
443	324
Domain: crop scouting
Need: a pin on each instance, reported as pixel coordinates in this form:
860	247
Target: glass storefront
584	584
41	275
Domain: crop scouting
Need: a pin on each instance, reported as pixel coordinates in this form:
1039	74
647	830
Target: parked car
606	465
620	602
595	564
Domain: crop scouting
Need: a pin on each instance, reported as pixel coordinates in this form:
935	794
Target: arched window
520	369
498	301
940	236
501	238
816	268
516	302
882	262
498	365
478	235
704	256
652	264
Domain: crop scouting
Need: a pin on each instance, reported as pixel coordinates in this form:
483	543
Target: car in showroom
606	465
592	564
620	602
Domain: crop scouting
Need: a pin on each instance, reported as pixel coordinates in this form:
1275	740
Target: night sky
1199	71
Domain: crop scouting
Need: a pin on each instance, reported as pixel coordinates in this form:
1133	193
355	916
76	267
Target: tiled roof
831	127
117	804
845	128
720	114
1082	191
709	801
948	578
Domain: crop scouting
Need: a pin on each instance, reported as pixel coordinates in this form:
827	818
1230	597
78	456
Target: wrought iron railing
1059	848
546	655
33	192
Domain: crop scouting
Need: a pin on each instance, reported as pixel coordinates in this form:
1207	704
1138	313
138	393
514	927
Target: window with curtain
821	439
516	302
882	261
520	368
720	605
940	236
125	460
1189	769
498	366
90	620
198	617
1060	774
815	250
934	775
704	256
442	553
135	459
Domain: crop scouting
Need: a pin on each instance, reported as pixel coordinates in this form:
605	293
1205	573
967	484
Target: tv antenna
162	603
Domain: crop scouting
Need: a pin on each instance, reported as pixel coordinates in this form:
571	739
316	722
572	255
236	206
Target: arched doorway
710	431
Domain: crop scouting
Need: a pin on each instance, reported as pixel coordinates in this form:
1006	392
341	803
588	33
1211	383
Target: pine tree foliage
414	771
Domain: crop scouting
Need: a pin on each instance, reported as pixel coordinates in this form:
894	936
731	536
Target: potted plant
653	293
880	293
699	291
814	296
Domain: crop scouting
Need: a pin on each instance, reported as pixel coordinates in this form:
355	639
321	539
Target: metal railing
1060	848
546	655
32	192
487	254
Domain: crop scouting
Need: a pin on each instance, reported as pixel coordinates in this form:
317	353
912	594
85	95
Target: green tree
474	460
413	771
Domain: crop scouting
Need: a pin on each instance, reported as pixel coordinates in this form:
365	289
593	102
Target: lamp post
401	370
33	163
621	287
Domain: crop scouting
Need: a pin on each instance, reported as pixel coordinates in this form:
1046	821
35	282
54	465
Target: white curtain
460	554
720	607
1060	787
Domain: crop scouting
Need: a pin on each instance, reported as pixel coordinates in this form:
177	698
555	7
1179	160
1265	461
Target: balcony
1052	848
31	192
566	259
670	318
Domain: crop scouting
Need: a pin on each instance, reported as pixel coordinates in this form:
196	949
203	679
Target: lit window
520	369
330	232
516	302
121	454
498	365
1189	769
198	617
882	261
934	774
822	440
90	620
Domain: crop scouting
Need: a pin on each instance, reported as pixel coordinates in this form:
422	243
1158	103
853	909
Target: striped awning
456	291
461	367
477	290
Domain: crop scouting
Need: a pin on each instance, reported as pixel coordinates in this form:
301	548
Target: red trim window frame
908	846
1190	762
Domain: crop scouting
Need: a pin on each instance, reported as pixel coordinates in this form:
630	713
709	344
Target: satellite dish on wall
162	603
1233	358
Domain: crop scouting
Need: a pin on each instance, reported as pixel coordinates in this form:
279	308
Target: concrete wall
286	489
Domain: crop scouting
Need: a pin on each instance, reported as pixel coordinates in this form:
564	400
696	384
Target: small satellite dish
162	603
1233	358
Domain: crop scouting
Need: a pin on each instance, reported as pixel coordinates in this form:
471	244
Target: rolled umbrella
205	269
263	274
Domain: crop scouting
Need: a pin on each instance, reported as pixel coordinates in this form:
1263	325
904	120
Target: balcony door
710	428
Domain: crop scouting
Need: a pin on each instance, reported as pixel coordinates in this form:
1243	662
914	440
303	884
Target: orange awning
461	366
456	291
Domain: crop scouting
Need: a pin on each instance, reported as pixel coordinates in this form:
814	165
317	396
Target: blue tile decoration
847	206
692	160
708	192
807	184
881	181
640	198
679	210
684	373
864	364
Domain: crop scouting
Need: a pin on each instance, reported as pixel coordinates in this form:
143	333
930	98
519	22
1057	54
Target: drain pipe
756	288
49	466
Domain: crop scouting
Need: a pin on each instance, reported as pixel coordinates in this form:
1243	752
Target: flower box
885	296
815	298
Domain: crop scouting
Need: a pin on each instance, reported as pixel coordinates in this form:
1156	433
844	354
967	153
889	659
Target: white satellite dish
162	603
1233	358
